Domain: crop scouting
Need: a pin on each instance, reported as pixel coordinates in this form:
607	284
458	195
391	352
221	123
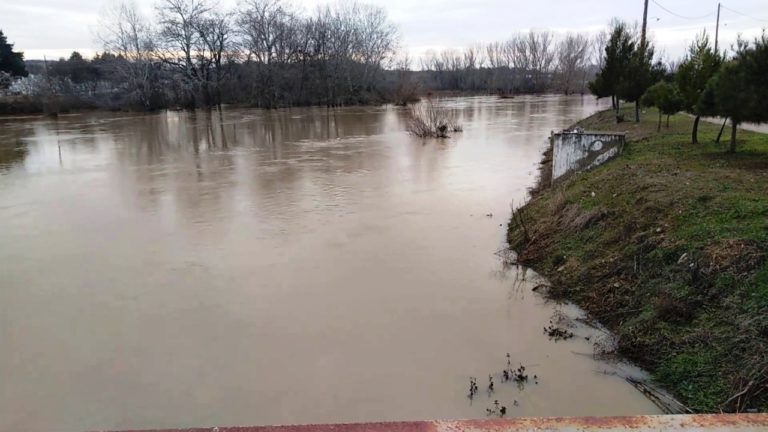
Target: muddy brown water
272	267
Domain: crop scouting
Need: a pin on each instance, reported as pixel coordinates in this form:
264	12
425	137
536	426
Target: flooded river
270	267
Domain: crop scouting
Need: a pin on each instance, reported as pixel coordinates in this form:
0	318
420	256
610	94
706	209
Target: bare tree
216	34
597	51
496	56
405	87
183	49
269	53
519	53
429	61
471	56
124	32
498	62
377	38
271	36
540	46
572	60
269	30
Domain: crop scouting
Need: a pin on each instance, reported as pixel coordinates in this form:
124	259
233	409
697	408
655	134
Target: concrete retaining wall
576	151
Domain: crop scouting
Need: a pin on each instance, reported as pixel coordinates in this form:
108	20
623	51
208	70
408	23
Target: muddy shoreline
655	248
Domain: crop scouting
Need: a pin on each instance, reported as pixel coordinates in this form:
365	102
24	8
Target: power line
682	16
742	14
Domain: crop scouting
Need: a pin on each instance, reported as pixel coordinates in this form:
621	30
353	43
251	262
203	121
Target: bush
429	120
14	105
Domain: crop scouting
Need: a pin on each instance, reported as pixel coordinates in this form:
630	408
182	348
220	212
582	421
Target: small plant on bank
429	120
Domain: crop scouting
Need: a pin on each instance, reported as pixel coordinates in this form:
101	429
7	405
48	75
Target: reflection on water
289	266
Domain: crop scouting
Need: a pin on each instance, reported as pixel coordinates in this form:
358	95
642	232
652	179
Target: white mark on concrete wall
610	154
579	151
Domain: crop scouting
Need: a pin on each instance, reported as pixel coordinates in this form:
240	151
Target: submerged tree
699	66
129	55
182	47
541	52
272	37
430	119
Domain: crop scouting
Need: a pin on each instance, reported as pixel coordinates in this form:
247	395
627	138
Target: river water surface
270	267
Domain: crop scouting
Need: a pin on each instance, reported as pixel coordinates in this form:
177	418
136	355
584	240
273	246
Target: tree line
264	53
532	62
267	53
704	83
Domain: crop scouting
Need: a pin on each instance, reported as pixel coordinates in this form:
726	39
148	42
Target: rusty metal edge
697	422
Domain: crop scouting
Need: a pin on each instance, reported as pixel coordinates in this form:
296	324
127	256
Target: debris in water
557	333
520	376
472	387
496	410
558	327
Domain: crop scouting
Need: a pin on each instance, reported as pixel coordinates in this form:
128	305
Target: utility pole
642	54
645	24
717	27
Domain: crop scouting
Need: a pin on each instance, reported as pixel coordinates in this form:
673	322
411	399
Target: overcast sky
54	28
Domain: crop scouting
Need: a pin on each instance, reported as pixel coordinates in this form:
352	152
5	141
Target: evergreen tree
755	64
738	91
666	97
10	61
76	68
618	53
638	74
699	66
732	96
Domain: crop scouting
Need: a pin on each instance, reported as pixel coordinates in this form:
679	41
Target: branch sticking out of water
520	221
430	120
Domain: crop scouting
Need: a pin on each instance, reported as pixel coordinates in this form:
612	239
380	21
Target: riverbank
666	246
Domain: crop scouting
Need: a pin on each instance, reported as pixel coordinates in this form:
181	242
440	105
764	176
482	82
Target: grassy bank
667	246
